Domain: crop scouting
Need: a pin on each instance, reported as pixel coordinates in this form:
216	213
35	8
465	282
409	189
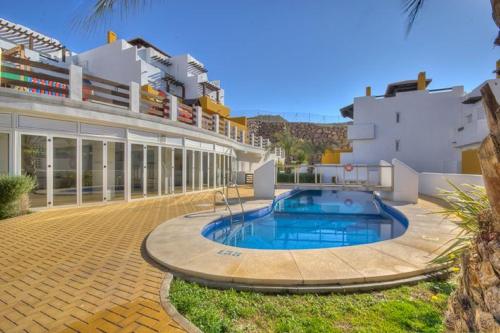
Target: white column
135	97
243	136
75	82
228	129
216	122
261	141
199	116
252	139
173	107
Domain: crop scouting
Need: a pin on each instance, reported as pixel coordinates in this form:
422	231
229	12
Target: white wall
405	187
430	183
264	180
426	130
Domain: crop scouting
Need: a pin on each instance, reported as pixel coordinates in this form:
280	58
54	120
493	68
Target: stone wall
331	134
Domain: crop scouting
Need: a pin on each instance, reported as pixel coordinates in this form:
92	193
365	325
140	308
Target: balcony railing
34	77
371	176
155	105
98	89
185	114
46	79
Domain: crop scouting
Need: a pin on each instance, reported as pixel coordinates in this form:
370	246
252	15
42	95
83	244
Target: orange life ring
348	167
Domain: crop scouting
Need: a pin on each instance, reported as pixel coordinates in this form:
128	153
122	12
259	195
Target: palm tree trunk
475	307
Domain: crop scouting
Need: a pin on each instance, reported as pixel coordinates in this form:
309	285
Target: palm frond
412	8
101	9
466	203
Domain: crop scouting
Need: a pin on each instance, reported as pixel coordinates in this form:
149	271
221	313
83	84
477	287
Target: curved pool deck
179	245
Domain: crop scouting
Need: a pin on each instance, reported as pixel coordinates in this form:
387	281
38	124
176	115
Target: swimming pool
311	219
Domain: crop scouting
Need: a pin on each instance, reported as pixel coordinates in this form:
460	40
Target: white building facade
84	135
429	130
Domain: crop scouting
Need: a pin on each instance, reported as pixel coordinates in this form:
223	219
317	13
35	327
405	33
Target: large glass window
211	161
64	177
178	165
218	168
116	171
34	164
137	177
152	159
189	170
197	170
92	171
206	169
167	169
4	153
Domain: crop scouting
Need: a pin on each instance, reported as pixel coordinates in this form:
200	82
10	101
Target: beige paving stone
323	267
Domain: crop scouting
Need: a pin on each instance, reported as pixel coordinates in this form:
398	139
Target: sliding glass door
65	166
152	170
92	171
4	153
205	169
189	171
197	170
137	171
115	171
167	170
34	164
178	170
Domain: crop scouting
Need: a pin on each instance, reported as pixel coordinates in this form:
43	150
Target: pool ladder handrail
235	186
225	201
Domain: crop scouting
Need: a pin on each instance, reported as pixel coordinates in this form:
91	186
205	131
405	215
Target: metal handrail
225	201
235	186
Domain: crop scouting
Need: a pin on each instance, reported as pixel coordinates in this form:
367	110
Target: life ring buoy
348	167
348	202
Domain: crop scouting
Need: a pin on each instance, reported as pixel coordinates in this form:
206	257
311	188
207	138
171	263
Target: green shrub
13	189
286	178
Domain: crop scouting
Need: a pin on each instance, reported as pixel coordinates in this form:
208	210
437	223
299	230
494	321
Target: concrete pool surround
179	245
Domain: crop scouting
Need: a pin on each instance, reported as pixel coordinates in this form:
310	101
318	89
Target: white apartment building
431	130
87	129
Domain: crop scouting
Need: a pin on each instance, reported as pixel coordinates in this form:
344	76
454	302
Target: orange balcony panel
210	106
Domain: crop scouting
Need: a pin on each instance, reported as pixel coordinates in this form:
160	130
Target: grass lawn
418	308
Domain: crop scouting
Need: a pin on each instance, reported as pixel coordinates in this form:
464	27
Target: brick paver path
85	270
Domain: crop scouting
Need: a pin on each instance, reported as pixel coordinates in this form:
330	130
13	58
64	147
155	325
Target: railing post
199	116
75	82
261	142
243	136
216	120
228	129
135	97
252	139
173	107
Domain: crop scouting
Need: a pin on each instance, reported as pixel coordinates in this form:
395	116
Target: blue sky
295	57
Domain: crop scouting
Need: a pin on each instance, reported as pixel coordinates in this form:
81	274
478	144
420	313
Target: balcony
72	83
361	132
210	106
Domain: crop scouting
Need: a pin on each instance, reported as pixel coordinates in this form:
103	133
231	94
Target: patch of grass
418	308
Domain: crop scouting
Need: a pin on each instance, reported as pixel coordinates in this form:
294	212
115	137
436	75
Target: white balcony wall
361	132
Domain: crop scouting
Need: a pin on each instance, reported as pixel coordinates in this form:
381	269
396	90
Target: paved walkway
84	269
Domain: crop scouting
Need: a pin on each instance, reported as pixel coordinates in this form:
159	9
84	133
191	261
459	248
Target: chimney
111	37
421	82
368	91
498	69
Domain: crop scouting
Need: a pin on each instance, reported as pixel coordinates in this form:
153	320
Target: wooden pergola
32	40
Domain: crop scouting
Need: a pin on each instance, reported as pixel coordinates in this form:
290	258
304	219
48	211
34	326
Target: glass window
205	169
137	162
218	168
92	171
64	177
34	164
116	171
4	153
167	169
189	170
152	155
197	170
178	166
211	169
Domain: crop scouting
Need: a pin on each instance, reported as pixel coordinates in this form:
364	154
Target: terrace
72	83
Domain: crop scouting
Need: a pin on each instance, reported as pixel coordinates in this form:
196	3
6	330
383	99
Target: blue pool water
312	219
